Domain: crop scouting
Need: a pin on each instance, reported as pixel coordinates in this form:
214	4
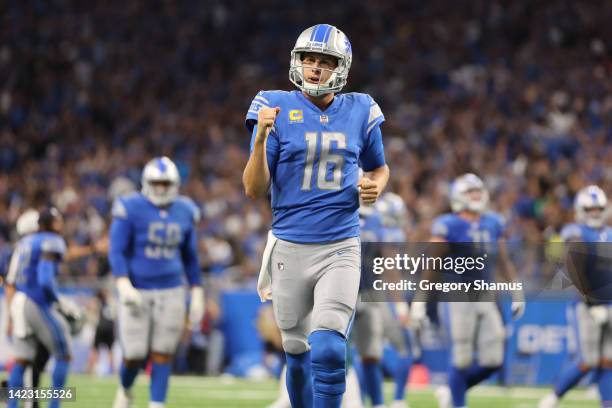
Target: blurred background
519	92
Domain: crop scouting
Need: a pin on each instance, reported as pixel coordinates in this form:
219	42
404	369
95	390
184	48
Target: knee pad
333	317
492	356
328	359
462	355
295	346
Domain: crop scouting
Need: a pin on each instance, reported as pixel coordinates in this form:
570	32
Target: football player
306	147
26	224
37	310
153	247
374	321
475	328
593	317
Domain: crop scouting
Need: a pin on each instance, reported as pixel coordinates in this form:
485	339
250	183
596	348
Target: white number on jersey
163	240
327	158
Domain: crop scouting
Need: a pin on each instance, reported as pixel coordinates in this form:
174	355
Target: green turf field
205	392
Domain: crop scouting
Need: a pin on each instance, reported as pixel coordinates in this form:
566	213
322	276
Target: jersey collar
333	106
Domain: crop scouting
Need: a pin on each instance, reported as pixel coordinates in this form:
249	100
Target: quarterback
306	148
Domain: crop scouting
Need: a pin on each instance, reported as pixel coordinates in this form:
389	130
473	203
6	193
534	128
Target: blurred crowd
517	91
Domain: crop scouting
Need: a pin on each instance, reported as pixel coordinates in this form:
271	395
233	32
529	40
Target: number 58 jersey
154	246
314	158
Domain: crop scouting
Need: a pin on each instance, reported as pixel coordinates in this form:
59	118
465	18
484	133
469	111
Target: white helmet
586	199
392	209
160	169
322	39
27	223
459	194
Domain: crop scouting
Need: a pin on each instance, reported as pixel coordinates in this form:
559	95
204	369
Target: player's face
318	67
161	187
474	195
594	212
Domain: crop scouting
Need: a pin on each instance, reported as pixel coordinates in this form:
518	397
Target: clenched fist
368	190
266	117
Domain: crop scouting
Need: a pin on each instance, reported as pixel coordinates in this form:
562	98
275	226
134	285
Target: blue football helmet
323	39
591	198
160	181
392	209
460	198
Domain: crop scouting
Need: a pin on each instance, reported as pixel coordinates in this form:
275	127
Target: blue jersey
314	158
596	278
154	246
475	238
30	272
373	230
371	227
488	229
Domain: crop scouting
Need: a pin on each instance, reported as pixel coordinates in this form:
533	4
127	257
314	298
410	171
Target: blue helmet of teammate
160	181
590	206
322	39
392	209
463	196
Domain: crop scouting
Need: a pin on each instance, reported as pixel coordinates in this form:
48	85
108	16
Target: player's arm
508	270
120	238
373	163
45	274
11	276
373	184
256	175
418	308
509	274
191	262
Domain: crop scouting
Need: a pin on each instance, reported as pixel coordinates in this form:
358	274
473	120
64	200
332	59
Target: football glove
73	314
196	307
518	305
418	314
599	314
128	294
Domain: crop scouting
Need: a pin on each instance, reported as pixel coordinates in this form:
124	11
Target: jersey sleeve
120	236
375	116
15	264
261	100
54	245
571	232
373	154
440	228
189	255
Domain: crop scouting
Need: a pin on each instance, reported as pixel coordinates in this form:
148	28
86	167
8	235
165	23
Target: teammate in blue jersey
306	148
36	307
374	321
475	328
153	248
593	318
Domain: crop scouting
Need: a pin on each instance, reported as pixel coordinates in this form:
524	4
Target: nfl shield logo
324	119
